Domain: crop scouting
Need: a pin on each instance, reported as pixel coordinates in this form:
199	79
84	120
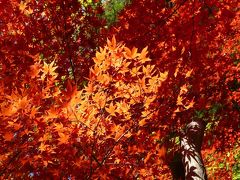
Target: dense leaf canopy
93	89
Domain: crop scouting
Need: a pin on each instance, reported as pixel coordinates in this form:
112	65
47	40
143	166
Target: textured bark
191	143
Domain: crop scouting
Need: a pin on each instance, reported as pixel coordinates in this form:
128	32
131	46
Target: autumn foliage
75	106
96	130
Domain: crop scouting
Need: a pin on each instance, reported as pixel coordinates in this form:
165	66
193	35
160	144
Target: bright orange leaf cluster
96	125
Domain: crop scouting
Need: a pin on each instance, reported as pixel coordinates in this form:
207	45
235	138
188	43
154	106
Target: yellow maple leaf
142	122
117	161
22	6
119	131
90	88
163	76
142	82
143	53
48	69
99	99
95	70
111	109
99	57
43	147
179	100
183	89
148	70
188	74
122	107
148	101
104	79
130	54
190	105
135	71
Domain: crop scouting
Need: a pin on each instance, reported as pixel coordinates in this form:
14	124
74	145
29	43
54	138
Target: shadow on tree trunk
188	163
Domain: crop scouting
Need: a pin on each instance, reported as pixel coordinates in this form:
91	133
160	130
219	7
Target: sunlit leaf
63	138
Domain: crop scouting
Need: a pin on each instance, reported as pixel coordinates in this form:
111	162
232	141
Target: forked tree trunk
191	143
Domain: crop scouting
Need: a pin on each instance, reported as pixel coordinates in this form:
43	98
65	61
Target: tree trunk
191	143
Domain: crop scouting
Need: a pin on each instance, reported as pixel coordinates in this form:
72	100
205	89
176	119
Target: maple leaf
48	69
90	88
148	70
142	82
35	70
122	107
8	136
111	44
22	6
188	74
43	147
163	76
148	101
23	102
111	109
130	54
58	127
63	138
135	71
104	79
119	131
15	125
153	83
179	100
142	122
190	105
9	110
183	89
99	57
143	54
100	99
45	163
45	137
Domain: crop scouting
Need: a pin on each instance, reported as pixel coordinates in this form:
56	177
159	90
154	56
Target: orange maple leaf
130	54
111	109
143	54
63	138
8	136
142	122
35	69
43	147
58	127
112	44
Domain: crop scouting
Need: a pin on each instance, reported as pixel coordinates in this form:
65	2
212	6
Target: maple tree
127	118
198	43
